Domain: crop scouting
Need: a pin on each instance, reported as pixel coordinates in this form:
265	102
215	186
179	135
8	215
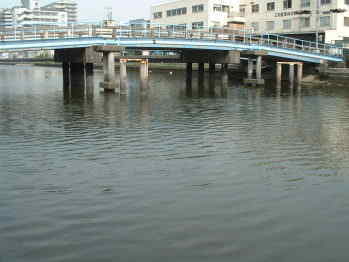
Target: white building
197	13
68	6
26	17
300	18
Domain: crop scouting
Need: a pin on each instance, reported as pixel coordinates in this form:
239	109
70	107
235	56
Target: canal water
238	174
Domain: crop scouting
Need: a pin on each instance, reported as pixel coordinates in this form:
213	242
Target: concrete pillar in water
201	73
189	75
123	76
89	79
291	75
278	74
249	68
144	74
224	79
109	83
66	74
259	67
212	75
77	79
299	73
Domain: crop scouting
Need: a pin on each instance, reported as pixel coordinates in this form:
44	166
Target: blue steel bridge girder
167	44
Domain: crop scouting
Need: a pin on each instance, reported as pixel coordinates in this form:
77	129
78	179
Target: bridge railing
149	30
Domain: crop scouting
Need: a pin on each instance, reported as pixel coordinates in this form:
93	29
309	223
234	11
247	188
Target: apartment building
196	14
329	19
68	6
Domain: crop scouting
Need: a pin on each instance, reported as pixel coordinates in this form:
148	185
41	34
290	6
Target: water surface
238	174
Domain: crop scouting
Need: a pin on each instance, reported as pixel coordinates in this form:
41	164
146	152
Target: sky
123	10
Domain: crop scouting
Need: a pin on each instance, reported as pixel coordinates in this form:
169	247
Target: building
30	4
196	14
27	17
6	19
329	19
68	6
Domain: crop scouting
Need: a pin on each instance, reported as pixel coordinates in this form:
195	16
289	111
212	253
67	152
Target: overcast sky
123	10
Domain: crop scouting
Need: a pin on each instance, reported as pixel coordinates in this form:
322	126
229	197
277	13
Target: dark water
242	175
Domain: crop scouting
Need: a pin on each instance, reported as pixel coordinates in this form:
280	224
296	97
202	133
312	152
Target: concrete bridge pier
258	80
224	75
201	75
212	75
189	75
144	74
89	79
109	83
77	79
291	73
123	76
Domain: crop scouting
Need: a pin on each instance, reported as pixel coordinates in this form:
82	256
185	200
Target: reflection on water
176	174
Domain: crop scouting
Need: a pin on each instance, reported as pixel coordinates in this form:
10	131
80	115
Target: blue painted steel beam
178	44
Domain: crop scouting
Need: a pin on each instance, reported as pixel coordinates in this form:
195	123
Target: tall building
68	6
329	19
6	18
30	4
196	14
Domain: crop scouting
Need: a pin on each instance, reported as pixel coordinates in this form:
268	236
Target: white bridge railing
149	30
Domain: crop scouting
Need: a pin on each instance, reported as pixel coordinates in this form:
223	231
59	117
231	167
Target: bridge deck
159	37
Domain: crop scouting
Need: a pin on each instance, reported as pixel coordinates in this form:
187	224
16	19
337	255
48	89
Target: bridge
77	46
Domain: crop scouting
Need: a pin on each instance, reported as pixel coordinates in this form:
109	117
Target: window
221	8
346	21
325	21
271	6
255	8
157	15
270	25
346	2
325	2
198	8
178	11
255	26
287	4
305	3
305	22
243	10
287	24
197	25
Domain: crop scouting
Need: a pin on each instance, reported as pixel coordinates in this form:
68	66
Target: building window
325	2
197	25
255	26
325	21
255	8
271	6
305	3
198	8
221	8
178	11
243	10
305	22
347	2
287	4
346	21
287	24
270	25
157	15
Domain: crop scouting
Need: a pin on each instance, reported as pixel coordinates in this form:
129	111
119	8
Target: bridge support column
144	74
123	76
278	74
258	80
89	79
224	74
291	75
77	79
66	74
201	73
189	74
109	83
212	75
299	73
259	67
